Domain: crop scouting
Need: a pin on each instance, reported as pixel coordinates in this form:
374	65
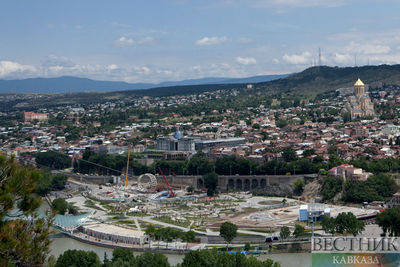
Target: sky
168	40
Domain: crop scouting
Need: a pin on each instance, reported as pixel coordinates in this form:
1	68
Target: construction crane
127	168
171	192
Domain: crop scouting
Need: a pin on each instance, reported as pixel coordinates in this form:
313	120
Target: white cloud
246	60
342	58
245	40
368	48
275	60
112	67
9	68
211	40
303	58
303	3
124	41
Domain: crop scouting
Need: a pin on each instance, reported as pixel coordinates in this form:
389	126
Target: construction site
120	209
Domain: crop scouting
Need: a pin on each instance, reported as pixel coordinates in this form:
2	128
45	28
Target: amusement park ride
152	180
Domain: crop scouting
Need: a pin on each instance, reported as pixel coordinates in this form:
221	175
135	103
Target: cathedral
359	104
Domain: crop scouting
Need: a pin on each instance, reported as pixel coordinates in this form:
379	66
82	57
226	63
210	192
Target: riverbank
63	242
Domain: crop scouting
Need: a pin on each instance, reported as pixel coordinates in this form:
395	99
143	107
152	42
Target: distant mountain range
68	84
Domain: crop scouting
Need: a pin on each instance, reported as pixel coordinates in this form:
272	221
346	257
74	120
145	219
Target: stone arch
239	184
254	184
246	185
231	184
263	183
200	183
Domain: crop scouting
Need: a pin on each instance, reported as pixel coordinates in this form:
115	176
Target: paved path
137	224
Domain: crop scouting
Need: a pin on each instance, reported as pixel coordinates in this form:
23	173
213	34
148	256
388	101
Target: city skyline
175	40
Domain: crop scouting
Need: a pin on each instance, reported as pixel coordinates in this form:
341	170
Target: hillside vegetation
317	80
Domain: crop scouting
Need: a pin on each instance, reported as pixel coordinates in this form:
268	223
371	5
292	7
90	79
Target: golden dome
359	83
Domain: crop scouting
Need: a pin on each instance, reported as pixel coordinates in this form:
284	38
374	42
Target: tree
188	237
228	231
289	154
24	240
44	184
58	181
298	230
207	257
331	186
48	182
190	189
150	231
328	225
285	232
211	182
298	186
78	258
60	205
148	259
53	159
123	255
281	123
308	152
389	221
347	223
346	117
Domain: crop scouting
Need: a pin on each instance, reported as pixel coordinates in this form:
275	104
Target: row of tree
113	164
169	234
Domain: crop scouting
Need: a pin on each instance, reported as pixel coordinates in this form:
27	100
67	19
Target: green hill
321	79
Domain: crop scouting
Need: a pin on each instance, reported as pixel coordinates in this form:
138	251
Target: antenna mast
319	56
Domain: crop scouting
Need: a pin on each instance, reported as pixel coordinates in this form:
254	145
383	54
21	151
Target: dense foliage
209	258
48	182
285	232
78	258
375	188
389	221
24	240
331	186
228	231
299	230
211	182
53	159
344	223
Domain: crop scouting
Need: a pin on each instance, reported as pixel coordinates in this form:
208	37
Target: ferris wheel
146	181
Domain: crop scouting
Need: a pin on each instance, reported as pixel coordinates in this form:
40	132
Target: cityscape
146	152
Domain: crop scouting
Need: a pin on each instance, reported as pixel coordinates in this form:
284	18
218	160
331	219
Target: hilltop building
348	171
359	104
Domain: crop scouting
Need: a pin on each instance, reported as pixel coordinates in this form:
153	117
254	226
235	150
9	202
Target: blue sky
153	41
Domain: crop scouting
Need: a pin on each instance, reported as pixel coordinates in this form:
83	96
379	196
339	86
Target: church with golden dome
359	104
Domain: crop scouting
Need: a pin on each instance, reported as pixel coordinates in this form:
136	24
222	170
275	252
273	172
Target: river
62	243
